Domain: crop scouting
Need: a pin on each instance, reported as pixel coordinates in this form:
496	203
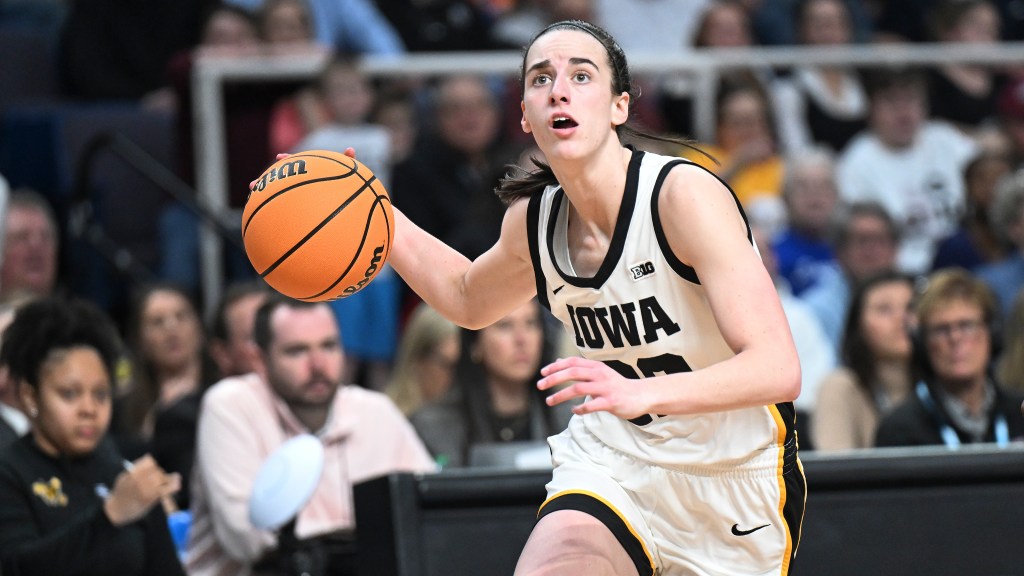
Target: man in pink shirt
296	389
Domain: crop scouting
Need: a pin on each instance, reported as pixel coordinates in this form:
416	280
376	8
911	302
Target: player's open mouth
562	122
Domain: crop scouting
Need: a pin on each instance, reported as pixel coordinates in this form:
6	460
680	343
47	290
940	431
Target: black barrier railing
891	512
82	221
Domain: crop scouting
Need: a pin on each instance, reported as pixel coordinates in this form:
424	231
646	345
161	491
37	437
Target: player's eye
540	79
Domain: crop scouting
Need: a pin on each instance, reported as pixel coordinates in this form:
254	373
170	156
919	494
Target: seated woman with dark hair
495	397
69	504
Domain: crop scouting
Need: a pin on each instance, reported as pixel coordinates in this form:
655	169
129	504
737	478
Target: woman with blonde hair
426	359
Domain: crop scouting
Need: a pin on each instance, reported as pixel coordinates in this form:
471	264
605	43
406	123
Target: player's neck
595	187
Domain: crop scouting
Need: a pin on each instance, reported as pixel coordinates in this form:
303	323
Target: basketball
318	225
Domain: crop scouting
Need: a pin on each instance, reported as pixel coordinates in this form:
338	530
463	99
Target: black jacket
52	520
915	424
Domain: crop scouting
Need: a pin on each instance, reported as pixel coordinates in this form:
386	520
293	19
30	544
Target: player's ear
620	109
524	122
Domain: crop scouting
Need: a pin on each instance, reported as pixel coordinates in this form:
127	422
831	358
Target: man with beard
296	389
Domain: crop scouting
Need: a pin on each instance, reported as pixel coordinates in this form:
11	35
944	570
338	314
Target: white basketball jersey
645	313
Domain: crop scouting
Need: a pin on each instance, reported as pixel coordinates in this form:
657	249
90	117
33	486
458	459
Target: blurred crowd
887	204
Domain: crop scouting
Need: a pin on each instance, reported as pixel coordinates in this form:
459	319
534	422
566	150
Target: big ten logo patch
641	270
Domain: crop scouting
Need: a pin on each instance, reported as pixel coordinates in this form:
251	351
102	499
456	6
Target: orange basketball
318	225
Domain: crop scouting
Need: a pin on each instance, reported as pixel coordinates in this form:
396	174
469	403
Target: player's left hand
609	391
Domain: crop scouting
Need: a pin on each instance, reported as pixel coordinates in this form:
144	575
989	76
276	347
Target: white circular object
286	481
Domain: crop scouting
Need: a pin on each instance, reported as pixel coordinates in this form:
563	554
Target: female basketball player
682	459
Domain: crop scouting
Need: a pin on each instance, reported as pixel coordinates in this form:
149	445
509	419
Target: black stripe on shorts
603	513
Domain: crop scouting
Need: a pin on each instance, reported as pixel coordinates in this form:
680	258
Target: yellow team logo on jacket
50	492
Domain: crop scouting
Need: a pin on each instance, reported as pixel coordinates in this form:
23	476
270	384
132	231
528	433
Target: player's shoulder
690	183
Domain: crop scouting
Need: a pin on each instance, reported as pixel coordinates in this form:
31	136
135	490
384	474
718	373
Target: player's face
567	101
884	320
72	402
510	349
304	361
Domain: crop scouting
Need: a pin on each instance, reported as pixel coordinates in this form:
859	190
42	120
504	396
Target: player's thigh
570	543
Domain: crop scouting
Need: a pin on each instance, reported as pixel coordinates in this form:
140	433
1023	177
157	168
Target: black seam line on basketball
353	169
318	227
359	250
245	227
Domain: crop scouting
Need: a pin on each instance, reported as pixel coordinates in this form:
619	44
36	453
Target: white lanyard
949	436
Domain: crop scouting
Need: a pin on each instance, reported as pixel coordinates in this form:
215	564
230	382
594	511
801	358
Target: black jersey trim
618	241
683	270
603	511
532	230
794	483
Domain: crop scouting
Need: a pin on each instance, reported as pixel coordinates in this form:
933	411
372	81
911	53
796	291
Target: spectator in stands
909	164
348	96
774	22
31	239
395	111
821	105
495	399
721	24
964	94
455	164
353	26
865	244
424	368
875	374
745	144
976	242
296	389
169	371
231	343
809	190
69	502
1006	276
955	401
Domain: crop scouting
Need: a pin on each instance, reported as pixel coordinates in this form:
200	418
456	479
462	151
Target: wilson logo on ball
369	272
281	172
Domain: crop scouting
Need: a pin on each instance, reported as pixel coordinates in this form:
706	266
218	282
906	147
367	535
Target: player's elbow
788	383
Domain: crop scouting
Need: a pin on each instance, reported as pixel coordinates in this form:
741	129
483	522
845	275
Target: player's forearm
751	378
434	270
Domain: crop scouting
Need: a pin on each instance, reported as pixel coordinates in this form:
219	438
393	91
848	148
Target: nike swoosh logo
557	290
737	532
